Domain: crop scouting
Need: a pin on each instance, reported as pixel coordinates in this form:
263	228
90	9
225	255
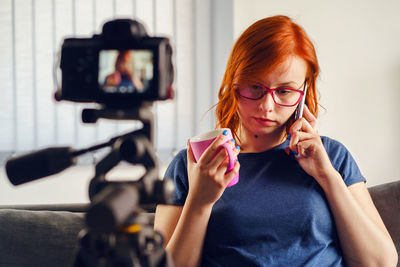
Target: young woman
309	207
124	72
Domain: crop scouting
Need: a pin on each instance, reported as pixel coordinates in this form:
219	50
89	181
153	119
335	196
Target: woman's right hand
208	178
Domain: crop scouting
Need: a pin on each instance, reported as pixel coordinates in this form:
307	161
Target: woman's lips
265	122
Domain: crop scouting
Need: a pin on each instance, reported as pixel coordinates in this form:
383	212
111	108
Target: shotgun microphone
38	164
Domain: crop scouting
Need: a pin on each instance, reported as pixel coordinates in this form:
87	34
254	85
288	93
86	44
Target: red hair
260	49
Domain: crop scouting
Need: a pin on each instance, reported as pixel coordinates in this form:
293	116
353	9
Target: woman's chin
267	131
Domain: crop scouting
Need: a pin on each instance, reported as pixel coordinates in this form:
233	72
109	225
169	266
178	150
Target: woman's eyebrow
291	83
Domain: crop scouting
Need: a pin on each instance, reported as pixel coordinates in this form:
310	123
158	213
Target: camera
119	68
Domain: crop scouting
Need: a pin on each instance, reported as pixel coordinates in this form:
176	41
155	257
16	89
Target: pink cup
200	143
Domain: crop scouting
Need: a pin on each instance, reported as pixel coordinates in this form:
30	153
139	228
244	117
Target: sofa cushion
39	238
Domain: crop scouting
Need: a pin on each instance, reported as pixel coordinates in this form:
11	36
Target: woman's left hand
307	143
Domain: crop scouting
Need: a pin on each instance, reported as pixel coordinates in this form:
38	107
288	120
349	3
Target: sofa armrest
386	198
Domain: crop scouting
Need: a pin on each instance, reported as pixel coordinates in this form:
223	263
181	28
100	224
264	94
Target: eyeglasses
286	97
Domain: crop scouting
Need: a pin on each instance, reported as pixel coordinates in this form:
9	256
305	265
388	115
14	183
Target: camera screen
125	71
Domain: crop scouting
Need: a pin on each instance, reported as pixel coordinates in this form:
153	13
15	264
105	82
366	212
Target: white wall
358	46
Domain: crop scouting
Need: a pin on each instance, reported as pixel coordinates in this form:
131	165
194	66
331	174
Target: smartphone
299	114
300	107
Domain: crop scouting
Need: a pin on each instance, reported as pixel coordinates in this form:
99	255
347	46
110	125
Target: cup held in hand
200	143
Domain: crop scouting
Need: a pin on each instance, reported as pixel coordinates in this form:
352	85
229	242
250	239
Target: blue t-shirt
276	215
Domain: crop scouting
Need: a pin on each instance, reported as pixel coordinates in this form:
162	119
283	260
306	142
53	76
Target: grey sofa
48	236
39	235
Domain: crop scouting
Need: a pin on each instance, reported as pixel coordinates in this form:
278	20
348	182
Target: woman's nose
267	103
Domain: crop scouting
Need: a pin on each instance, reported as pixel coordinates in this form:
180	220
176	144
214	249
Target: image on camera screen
125	71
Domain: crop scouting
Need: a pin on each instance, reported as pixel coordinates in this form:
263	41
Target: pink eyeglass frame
269	90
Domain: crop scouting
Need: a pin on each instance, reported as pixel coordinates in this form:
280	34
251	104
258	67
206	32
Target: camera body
120	68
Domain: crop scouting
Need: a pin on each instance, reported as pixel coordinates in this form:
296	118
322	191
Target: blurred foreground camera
124	71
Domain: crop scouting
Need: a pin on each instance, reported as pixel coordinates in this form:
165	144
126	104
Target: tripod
117	231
